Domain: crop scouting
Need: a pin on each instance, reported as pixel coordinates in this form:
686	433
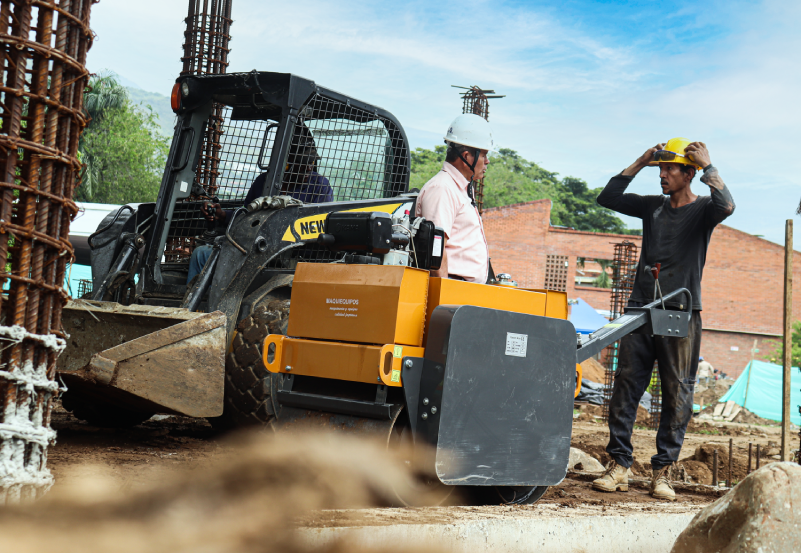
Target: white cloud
578	102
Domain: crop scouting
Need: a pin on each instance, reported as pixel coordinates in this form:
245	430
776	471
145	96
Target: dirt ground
137	457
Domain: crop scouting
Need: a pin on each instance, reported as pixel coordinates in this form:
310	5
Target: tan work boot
615	478
660	485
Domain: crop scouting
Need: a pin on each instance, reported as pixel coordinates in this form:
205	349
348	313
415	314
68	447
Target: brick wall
731	351
742	286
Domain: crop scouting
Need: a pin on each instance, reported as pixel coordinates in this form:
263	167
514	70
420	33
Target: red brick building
742	285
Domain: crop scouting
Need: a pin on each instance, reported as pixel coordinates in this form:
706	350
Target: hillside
160	105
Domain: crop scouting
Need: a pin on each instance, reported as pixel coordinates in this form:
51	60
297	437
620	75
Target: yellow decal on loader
397	352
312	226
395	376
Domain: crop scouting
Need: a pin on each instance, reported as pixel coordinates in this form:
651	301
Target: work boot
660	485
615	478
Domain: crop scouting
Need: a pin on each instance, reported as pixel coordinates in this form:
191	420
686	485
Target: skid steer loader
484	374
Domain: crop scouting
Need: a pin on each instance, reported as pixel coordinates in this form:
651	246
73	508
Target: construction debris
44	46
760	514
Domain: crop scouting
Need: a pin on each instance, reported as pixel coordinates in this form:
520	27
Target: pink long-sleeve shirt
444	201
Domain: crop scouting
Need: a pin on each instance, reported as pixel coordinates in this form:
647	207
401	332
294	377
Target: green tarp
764	397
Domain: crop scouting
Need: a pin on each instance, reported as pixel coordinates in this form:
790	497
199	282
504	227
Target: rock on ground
761	514
586	461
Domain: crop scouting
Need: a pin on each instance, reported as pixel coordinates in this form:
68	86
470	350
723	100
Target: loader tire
99	413
247	381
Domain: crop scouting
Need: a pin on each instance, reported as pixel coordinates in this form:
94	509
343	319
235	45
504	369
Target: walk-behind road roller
486	374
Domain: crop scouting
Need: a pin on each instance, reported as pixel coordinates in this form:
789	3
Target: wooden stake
788	341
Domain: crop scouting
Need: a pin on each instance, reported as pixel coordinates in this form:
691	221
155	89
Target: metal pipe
787	358
197	292
715	467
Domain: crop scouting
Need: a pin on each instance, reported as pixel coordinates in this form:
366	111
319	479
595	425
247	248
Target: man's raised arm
613	195
722	204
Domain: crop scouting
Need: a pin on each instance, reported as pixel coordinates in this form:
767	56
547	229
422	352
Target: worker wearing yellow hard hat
677	226
674	151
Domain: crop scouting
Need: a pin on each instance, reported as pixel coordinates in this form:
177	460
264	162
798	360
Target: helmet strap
470	188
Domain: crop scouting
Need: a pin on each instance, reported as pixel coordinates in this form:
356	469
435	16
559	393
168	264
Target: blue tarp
71	277
585	318
765	391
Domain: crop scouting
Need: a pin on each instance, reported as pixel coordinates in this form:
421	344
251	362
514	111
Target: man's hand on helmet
698	153
643	161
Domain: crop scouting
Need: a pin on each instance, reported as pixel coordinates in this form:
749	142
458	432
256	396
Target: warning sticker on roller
516	344
395	376
437	250
397	352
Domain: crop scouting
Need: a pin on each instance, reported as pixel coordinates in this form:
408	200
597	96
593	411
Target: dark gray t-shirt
677	238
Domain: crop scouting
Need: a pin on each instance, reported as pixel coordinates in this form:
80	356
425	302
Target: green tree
103	93
122	150
425	164
777	355
126	154
581	211
512	179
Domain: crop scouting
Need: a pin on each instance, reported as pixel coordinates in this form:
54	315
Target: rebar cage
624	264
44	46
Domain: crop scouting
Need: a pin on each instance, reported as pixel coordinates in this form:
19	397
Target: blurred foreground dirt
176	485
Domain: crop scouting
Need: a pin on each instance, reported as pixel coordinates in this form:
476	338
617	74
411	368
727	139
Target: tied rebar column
476	101
206	38
44	46
624	269
208	32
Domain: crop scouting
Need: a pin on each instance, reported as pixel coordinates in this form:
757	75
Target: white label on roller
516	344
184	186
437	246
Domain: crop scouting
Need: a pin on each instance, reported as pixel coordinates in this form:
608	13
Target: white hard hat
472	131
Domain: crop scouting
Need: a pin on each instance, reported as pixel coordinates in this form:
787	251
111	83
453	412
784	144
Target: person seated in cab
448	199
301	181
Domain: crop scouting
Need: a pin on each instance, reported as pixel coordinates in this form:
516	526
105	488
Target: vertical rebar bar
715	467
757	457
41	116
750	455
731	446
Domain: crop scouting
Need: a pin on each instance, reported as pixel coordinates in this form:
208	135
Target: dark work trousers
678	364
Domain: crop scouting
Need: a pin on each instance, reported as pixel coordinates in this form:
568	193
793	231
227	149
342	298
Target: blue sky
589	85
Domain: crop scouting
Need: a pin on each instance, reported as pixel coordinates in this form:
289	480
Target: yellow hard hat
674	153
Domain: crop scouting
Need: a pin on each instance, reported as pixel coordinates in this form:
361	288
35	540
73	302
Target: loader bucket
145	358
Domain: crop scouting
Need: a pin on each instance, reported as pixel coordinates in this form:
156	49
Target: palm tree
104	93
603	280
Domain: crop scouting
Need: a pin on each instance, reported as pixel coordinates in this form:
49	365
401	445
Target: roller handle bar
635	318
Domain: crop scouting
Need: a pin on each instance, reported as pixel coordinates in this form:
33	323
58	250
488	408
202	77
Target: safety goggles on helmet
667	155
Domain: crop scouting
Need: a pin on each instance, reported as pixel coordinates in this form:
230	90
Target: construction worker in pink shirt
448	199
